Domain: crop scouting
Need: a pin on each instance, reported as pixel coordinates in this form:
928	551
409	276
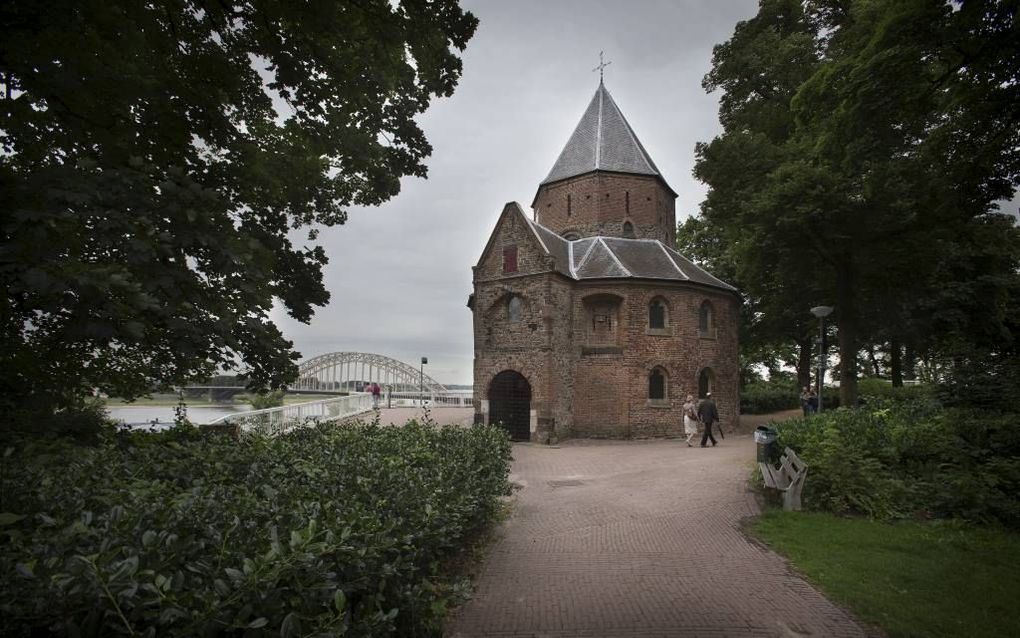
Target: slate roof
602	141
619	258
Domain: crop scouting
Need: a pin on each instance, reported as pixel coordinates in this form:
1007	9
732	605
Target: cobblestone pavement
638	538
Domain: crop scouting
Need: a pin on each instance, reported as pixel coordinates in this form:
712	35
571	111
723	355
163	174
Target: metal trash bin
765	437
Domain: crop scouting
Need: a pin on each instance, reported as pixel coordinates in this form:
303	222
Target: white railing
448	399
274	421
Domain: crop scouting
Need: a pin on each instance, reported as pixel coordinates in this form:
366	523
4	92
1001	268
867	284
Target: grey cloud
400	274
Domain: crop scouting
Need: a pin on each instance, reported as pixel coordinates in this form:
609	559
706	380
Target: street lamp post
821	312
421	380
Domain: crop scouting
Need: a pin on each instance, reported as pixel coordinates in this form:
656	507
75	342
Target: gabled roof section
609	257
600	262
602	141
696	273
554	245
511	209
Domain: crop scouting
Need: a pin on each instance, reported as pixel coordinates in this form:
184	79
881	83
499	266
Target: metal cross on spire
602	65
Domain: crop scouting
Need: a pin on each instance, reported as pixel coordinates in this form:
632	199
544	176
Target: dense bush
910	458
266	400
765	397
872	387
329	530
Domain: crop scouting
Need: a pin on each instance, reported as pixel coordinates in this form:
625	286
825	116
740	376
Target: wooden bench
788	478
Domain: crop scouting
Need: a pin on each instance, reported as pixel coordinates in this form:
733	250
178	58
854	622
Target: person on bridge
376	392
708	414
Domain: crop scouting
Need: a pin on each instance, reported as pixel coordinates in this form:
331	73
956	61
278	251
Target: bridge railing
448	399
275	421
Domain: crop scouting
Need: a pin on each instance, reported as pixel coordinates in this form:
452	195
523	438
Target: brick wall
583	382
599	204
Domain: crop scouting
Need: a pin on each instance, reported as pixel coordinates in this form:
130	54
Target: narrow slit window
657	315
705	318
513	309
656	385
569	206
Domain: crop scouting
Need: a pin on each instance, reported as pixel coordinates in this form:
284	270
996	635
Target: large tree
157	158
759	70
897	144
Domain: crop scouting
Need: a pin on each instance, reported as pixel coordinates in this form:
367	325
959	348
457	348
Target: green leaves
150	182
863	152
178	535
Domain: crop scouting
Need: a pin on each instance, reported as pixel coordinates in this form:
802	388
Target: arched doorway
510	404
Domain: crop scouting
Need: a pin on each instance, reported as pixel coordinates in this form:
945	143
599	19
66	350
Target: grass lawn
911	579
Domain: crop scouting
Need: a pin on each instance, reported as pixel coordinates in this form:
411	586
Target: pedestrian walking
708	414
690	410
376	392
812	402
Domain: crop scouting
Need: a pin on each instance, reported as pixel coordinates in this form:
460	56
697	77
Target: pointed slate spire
602	141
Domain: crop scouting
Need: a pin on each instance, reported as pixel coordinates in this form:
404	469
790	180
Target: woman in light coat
690	411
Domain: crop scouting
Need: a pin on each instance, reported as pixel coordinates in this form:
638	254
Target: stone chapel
587	322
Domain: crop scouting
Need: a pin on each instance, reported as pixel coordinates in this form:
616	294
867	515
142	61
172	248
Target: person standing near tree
805	395
707	414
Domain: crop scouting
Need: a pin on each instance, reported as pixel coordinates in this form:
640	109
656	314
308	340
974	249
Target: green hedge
874	388
330	531
768	396
910	458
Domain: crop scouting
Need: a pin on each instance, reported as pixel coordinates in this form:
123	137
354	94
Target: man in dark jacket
707	414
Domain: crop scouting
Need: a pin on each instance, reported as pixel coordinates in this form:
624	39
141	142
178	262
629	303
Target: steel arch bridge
351	371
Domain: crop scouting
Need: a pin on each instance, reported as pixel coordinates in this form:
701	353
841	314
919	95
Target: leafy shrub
765	397
82	420
985	381
773	396
872	387
908	458
267	400
328	530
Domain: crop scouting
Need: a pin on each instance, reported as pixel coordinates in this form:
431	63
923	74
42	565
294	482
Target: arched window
706	320
571	235
657	315
628	230
513	309
705	382
657	385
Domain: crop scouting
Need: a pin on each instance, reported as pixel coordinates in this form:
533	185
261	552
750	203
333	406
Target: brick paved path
441	415
638	538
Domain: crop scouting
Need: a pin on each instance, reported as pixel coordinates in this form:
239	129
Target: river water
165	414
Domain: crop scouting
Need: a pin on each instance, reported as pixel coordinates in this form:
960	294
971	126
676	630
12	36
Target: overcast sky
400	274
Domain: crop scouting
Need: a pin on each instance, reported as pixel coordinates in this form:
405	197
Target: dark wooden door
510	404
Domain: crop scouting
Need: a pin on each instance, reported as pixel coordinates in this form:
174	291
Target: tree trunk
909	362
876	370
895	363
804	362
848	344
